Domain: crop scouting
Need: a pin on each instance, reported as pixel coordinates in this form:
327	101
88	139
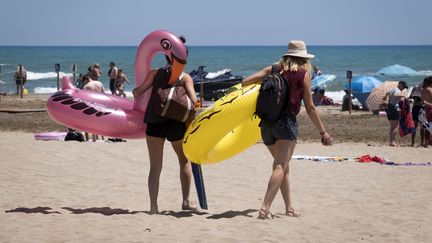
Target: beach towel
425	118
406	122
367	158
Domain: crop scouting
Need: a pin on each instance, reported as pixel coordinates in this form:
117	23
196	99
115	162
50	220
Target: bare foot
292	213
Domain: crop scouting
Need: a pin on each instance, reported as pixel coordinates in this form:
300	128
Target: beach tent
322	80
362	86
396	70
375	99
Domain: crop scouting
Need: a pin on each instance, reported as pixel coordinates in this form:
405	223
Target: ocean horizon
241	60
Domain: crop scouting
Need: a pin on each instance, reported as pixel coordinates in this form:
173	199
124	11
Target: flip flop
263	214
292	213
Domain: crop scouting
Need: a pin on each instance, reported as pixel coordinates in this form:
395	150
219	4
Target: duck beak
176	68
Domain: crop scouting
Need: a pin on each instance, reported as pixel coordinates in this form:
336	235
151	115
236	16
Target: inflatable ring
111	115
224	129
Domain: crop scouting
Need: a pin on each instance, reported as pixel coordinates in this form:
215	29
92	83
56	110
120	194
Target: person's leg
393	131
413	135
155	148
422	136
185	174
285	187
280	152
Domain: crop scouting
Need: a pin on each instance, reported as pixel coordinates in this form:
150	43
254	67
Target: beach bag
272	96
73	135
174	103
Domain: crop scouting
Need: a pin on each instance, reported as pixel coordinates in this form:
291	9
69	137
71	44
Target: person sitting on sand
319	98
393	112
119	83
281	137
346	102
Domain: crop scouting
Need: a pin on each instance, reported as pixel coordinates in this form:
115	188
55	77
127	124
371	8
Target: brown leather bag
174	103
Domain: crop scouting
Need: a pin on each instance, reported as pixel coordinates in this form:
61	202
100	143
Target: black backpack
73	135
272	97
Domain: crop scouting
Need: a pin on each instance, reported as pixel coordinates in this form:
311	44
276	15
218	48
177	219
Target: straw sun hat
297	48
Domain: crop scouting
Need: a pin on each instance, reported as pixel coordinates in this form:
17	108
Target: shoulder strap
274	68
179	79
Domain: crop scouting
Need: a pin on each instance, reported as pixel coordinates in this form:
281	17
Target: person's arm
126	79
148	82
189	86
425	94
313	112
256	77
385	98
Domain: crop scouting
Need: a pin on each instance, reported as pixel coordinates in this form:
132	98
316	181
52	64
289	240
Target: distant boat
214	83
322	80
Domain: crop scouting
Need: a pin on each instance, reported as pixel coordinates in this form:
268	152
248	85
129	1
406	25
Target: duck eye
166	44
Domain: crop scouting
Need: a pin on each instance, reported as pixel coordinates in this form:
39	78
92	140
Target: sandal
187	205
292	213
263	214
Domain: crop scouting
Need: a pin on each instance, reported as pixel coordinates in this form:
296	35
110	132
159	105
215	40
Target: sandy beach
54	191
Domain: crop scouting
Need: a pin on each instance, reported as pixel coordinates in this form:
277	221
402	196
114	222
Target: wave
2	82
45	90
424	73
47	75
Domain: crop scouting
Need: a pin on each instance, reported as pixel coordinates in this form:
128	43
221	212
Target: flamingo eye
166	44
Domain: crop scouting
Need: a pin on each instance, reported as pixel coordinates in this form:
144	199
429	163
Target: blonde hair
293	64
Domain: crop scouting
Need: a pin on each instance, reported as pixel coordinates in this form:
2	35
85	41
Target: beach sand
97	191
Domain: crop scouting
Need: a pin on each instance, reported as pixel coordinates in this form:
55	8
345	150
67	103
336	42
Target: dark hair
322	91
182	38
86	77
427	81
112	63
404	84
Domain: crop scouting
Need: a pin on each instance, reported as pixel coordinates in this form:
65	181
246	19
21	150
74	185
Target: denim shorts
286	129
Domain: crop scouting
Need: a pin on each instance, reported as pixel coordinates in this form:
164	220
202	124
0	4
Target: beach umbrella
396	70
362	84
322	80
375	98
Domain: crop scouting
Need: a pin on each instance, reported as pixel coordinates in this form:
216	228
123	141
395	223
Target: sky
216	22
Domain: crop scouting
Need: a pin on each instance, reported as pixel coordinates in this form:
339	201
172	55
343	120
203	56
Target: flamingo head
176	51
165	42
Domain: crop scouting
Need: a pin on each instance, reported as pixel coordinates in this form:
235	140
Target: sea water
242	60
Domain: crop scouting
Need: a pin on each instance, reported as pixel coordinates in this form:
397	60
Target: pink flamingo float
111	115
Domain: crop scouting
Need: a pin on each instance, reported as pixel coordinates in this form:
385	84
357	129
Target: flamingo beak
176	68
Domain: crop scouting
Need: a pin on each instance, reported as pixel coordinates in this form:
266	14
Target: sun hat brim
309	56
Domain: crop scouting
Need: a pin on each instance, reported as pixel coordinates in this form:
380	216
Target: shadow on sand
107	211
